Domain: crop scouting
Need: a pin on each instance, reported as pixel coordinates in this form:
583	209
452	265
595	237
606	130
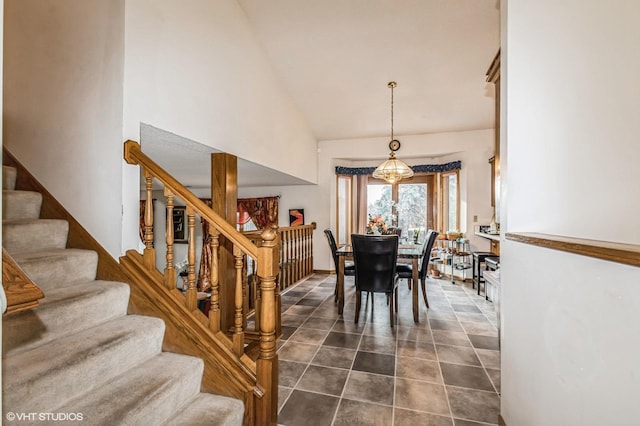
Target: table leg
340	284
415	282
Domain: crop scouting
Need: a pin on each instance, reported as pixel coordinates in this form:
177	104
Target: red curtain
262	211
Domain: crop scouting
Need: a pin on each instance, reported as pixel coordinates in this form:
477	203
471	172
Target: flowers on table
376	225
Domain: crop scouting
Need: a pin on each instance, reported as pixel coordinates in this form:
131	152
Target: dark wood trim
325	271
108	268
628	254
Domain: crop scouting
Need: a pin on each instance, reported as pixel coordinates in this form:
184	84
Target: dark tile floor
443	371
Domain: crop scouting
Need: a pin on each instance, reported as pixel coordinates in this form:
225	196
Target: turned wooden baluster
214	311
245	292
257	300
309	252
238	336
298	255
267	363
149	254
169	270
192	292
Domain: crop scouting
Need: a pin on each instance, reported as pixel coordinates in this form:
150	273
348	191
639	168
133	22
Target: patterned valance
422	168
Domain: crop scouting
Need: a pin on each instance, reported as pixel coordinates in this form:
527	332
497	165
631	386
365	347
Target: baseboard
324	271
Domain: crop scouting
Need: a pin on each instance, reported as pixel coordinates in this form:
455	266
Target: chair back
332	245
375	260
426	254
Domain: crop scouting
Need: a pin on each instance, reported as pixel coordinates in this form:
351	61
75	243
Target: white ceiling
335	58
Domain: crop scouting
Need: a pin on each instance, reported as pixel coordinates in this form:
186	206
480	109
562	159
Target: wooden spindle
192	292
238	336
214	311
245	293
149	254
257	300
169	270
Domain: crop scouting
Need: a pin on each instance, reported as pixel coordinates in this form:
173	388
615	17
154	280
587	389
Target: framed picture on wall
180	235
296	217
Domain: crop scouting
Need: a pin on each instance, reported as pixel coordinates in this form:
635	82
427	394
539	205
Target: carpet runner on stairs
79	351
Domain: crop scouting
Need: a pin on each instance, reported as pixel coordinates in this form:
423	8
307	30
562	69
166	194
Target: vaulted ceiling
335	57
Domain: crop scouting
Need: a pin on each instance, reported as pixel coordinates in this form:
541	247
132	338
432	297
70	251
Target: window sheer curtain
361	205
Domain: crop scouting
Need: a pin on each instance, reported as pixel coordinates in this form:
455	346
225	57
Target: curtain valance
422	168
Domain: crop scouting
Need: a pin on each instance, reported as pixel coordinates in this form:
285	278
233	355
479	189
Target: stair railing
296	252
264	257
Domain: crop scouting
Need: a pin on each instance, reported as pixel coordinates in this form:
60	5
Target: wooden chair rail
628	254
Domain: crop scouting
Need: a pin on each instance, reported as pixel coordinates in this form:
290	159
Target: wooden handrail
134	155
22	293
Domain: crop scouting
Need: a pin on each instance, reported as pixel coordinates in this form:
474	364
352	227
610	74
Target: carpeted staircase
79	351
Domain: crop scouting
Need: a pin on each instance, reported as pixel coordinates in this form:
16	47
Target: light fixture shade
393	170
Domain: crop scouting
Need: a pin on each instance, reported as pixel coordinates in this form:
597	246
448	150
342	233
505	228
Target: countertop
494	237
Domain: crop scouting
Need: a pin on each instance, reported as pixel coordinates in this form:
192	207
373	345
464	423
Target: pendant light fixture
393	170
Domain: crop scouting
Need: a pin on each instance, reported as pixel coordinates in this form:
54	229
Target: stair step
63	312
21	205
45	378
29	235
9	175
146	395
206	409
58	268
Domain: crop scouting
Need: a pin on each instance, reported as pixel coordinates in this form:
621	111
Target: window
407	205
425	201
380	202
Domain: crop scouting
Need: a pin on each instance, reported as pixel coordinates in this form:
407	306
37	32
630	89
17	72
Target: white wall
473	148
195	68
570	338
63	77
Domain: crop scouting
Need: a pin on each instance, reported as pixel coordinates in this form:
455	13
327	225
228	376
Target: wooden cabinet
495	247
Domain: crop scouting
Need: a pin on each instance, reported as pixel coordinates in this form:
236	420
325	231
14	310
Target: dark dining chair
375	260
349	268
406	271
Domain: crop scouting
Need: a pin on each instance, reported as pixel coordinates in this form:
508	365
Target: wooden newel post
267	363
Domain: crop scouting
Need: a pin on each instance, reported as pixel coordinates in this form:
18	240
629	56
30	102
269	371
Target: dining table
411	252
